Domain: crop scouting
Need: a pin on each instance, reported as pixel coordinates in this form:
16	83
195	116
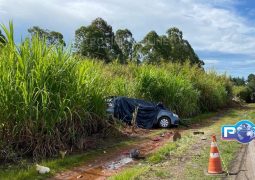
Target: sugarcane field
127	90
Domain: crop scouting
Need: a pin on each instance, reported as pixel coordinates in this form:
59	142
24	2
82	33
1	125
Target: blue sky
222	32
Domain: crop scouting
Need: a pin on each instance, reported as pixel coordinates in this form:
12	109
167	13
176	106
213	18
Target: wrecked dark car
148	114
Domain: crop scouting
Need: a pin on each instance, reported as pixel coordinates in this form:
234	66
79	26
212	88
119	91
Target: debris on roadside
42	169
156	139
116	164
134	153
182	159
203	138
62	153
198	132
176	136
78	177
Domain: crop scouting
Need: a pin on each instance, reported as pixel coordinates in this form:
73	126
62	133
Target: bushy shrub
243	93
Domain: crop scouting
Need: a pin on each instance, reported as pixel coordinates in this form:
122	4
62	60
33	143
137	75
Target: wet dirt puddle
104	170
111	167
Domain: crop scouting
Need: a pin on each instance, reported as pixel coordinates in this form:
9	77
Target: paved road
244	165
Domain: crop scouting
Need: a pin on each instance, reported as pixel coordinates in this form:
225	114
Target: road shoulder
243	166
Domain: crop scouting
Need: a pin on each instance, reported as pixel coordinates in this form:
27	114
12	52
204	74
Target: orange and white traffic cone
214	166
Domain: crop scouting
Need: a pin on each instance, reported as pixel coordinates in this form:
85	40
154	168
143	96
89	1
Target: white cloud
211	61
234	68
208	25
244	62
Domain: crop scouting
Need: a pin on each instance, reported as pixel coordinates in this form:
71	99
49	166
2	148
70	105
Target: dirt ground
176	164
110	163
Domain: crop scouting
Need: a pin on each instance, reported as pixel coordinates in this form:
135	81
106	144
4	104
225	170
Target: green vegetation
125	41
171	149
51	100
228	149
98	41
2	39
173	90
48	100
242	93
154	49
162	153
176	85
51	37
244	90
167	161
131	173
26	170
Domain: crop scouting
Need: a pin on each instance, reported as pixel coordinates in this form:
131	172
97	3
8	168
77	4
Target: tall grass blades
215	90
52	100
173	90
48	99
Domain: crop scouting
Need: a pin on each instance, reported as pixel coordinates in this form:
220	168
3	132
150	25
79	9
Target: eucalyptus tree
97	41
150	49
51	37
180	49
126	42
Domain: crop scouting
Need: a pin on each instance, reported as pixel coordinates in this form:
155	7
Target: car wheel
164	122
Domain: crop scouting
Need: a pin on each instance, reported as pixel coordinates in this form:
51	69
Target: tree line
98	41
245	88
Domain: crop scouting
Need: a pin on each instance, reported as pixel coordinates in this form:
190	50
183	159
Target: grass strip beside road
26	170
228	149
164	163
152	165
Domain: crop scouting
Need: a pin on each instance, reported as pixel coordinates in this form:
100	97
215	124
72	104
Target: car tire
164	122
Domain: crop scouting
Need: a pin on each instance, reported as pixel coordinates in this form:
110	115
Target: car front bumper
175	121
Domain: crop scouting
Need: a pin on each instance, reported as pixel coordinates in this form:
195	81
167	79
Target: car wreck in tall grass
146	114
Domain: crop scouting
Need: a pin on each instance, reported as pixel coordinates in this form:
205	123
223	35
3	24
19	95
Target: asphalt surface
244	164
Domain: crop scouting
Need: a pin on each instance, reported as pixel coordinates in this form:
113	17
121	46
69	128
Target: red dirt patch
110	163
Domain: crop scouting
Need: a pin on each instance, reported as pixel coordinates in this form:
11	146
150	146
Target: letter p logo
243	131
228	131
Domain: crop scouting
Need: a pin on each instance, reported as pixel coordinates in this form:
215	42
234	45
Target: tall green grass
48	99
51	100
242	93
215	90
185	89
160	85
